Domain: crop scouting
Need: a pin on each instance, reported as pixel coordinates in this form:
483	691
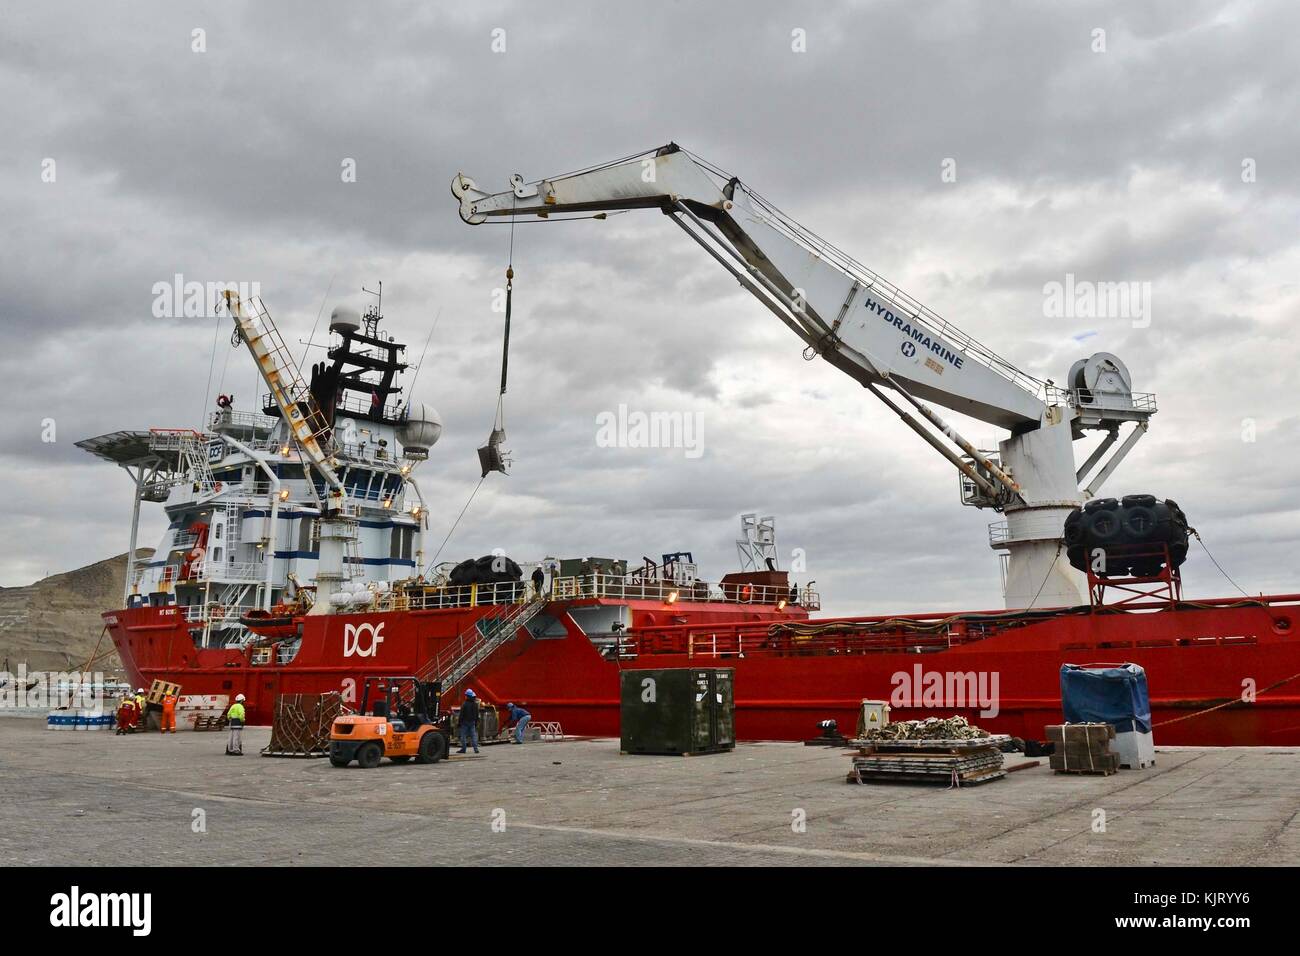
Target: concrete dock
89	798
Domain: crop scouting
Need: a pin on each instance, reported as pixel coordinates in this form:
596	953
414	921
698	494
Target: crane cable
433	563
1197	535
499	421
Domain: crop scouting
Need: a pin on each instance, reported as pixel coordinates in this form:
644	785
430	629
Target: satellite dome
420	430
344	318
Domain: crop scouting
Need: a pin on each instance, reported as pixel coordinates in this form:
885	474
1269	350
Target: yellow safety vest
236	712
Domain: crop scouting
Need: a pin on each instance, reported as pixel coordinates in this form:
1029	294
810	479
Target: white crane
310	429
879	335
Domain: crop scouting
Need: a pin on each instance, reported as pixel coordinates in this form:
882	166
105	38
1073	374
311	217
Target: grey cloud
225	166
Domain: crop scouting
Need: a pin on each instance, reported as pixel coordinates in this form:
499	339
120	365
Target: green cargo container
680	710
578	567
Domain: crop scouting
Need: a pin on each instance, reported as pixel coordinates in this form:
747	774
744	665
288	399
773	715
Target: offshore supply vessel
293	561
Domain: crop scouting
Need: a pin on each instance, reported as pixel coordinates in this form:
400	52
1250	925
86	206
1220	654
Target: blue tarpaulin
1112	695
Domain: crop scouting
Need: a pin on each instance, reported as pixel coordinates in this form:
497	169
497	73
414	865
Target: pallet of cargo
1083	748
953	780
924	743
949	760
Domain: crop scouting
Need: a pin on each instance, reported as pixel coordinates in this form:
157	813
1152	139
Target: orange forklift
403	722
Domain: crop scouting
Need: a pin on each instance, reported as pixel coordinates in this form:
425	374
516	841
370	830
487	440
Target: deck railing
611	587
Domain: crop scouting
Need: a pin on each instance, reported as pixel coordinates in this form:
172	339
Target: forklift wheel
433	747
370	755
339	761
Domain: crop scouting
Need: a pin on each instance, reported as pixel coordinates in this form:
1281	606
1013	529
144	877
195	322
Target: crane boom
848	315
870	329
280	373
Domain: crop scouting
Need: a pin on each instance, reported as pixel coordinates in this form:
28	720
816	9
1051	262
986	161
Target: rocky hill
54	623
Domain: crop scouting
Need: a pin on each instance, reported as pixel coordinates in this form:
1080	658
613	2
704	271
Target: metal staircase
191	448
280	372
454	663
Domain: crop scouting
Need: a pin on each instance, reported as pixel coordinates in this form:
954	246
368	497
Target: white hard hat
239	697
139	690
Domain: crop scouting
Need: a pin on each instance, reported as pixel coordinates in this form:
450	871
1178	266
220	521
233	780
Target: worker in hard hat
169	713
236	716
126	714
468	720
141	701
520	717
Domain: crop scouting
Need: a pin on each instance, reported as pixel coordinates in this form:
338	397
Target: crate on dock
302	724
680	710
160	689
955	762
210	722
1083	748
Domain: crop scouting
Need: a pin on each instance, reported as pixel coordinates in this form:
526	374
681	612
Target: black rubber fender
1104	526
1140	522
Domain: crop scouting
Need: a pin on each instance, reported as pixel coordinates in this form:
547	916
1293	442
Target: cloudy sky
1169	157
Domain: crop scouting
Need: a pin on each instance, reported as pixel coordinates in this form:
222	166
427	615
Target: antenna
374	314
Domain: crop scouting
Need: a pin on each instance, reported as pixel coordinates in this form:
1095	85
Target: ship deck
92	798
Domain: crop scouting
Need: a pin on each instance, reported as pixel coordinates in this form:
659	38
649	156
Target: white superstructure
314	487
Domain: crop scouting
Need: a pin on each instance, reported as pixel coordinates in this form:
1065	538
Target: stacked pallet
302	724
931	751
1083	748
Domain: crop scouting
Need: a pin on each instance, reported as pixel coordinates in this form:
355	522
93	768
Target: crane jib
919	336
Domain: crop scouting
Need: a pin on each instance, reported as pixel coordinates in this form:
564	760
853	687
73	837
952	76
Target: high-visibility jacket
169	704
236	713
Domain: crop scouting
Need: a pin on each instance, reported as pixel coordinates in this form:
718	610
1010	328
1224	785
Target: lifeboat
278	623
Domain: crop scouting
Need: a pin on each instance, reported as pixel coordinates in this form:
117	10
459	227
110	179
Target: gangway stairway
280	373
192	455
454	664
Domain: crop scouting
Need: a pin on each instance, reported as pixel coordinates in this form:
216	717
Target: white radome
420	430
344	317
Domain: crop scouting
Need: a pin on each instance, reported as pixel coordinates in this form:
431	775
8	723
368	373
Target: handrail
475	644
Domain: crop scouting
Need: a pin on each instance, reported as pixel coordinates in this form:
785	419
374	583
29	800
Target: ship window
216	555
216	531
401	543
304	535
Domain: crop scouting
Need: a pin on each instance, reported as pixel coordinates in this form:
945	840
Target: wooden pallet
959	780
1085	772
958	743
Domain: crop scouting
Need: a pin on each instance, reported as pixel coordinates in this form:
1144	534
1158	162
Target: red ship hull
1204	662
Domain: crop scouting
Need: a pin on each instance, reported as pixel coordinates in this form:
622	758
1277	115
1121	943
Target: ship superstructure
244	502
